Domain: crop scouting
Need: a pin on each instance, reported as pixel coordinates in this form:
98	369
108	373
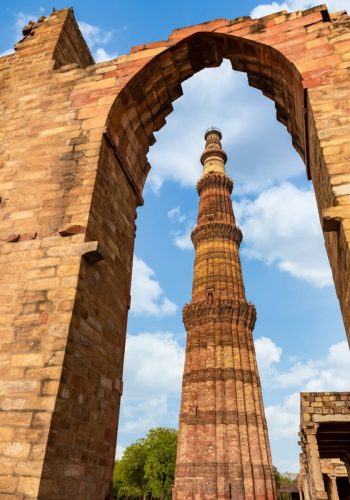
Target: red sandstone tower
223	450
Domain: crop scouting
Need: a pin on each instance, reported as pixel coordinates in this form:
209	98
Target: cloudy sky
299	336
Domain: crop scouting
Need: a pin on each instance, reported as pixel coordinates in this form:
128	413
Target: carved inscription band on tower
223	450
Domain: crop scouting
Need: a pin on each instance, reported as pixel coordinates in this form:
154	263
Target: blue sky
299	335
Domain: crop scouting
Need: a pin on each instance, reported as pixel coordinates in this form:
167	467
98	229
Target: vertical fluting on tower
223	449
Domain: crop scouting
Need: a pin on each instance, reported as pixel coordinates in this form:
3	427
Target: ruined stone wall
324	431
63	316
319	407
73	143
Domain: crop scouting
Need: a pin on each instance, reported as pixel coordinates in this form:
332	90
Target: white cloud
152	374
182	239
142	415
281	226
292	5
267	353
258	146
21	19
153	364
94	35
102	55
330	373
147	296
298	374
119	451
333	373
266	9
283	419
175	215
334	5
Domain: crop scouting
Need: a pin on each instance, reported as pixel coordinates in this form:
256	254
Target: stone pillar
313	459
302	480
333	487
305	491
347	465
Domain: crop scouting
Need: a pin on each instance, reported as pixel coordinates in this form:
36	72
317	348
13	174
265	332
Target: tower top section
213	157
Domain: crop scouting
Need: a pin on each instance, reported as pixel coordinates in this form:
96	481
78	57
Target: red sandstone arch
74	166
289	57
144	102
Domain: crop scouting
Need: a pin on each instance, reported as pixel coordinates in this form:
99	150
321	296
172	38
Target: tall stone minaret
223	449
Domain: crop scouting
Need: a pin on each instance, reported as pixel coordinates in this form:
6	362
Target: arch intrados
142	105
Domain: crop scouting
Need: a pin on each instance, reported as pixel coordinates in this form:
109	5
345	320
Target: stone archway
68	220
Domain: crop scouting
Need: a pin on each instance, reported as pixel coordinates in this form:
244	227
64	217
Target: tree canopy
147	466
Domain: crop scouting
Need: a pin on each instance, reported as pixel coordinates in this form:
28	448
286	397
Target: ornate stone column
313	459
333	487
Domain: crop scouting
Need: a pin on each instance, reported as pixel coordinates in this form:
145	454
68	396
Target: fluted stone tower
223	449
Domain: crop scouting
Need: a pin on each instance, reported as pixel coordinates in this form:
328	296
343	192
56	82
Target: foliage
289	478
160	462
147	466
285	478
278	477
129	478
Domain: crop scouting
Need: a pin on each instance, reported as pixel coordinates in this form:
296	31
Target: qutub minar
223	449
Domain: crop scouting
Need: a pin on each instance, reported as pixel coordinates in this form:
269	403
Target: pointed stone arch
74	158
143	103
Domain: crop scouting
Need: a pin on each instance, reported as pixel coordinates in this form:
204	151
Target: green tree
278	477
147	467
117	483
129	479
289	478
284	479
160	462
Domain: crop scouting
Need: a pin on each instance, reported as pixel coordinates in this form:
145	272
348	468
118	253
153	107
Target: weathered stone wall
317	407
63	317
324	431
73	143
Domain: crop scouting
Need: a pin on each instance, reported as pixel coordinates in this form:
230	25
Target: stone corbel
333	216
92	252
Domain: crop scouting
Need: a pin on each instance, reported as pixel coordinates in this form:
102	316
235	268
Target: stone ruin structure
289	492
74	139
336	479
325	444
223	447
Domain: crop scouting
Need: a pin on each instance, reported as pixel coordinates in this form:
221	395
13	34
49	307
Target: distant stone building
223	450
288	492
325	444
